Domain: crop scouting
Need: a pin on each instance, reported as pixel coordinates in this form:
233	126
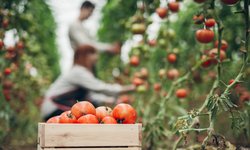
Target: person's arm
79	36
84	78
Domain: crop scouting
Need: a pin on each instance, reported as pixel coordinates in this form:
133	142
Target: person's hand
115	48
128	88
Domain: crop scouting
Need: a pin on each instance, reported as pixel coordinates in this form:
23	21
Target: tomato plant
207	43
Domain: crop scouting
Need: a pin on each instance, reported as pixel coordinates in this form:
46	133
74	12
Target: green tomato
141	89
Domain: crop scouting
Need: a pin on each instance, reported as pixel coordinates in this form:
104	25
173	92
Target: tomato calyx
120	121
69	115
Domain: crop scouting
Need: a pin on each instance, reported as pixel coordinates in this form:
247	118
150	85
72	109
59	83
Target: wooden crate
91	137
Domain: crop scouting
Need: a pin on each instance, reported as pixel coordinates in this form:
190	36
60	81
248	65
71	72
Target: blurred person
79	83
79	35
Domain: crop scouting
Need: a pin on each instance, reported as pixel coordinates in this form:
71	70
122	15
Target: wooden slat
85	135
128	148
123	148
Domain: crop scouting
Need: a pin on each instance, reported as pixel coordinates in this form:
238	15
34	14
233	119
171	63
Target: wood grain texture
128	148
85	135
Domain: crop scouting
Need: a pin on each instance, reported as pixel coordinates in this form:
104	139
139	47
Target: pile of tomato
85	113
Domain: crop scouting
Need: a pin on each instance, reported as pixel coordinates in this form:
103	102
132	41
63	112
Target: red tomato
213	54
11	49
231	81
20	45
7	94
102	112
67	117
204	35
108	120
172	74
199	1
83	108
144	73
206	63
230	2
171	58
162	12
54	119
7	71
7	84
152	42
1	44
210	22
137	81
173	6
181	93
5	23
124	113
88	119
198	19
134	61
157	87
224	44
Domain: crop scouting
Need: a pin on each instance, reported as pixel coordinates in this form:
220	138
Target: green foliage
35	27
209	93
113	28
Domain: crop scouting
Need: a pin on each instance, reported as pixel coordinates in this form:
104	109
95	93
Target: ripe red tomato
213	54
108	120
230	2
199	1
7	94
157	87
7	84
162	12
144	73
11	49
173	6
67	117
88	119
181	93
54	119
7	71
172	74
1	44
172	58
102	112
20	45
5	23
224	44
152	42
134	60
83	108
231	81
124	113
137	81
210	22
204	35
207	62
198	19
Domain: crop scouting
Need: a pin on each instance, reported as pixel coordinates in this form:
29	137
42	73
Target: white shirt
77	77
79	35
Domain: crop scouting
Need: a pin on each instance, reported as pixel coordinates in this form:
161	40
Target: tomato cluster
85	113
